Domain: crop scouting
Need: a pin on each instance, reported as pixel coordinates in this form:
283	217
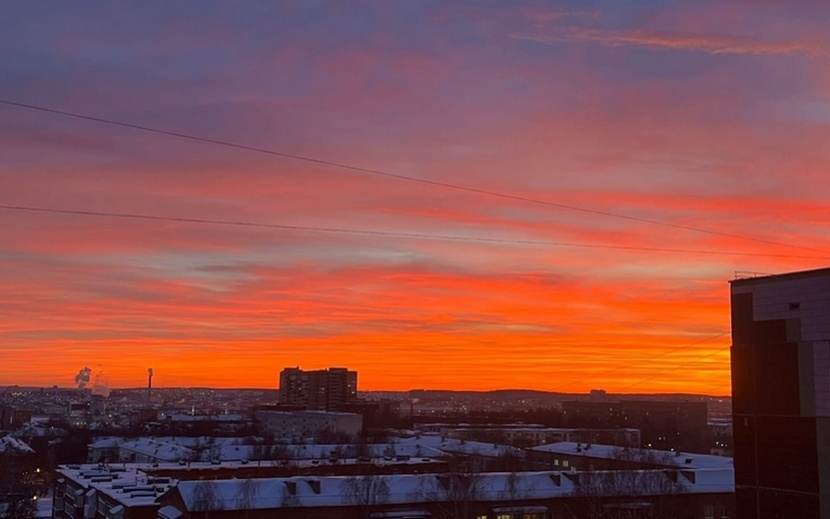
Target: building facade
663	424
524	495
781	395
300	425
324	389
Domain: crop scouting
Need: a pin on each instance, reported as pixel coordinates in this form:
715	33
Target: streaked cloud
435	91
675	41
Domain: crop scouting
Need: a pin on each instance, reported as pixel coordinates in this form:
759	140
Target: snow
672	459
412	489
9	445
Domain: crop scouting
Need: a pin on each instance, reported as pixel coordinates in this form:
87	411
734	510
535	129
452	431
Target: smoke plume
101	385
83	376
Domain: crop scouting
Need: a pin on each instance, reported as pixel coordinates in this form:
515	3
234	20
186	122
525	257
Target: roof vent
292	487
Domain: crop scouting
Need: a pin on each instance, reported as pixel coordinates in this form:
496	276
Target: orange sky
645	156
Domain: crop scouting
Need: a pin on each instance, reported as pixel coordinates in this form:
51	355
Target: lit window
564	463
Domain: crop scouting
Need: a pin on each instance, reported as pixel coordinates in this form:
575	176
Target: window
709	512
564	463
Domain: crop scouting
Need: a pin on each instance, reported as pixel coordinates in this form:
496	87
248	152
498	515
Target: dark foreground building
781	395
246	491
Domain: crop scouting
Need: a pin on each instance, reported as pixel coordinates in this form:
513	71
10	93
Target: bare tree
643	457
206	497
362	449
455	493
624	494
514	490
366	491
248	493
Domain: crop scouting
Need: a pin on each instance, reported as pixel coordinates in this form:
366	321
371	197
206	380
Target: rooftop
236	494
658	457
126	484
742	278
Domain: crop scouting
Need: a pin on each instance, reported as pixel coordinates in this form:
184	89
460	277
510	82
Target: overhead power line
391	234
665	353
665	372
397	176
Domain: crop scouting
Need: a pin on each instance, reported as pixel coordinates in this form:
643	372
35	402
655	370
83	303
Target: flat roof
654	456
125	484
767	278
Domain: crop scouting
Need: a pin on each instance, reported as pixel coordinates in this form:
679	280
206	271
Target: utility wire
393	234
397	176
660	355
712	354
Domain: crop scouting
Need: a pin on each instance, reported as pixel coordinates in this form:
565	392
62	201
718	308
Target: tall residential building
320	389
781	395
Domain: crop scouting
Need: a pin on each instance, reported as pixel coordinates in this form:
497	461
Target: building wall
309	424
12	418
678	505
679	425
323	389
781	395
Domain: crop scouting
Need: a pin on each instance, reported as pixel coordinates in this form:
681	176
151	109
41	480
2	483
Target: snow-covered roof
657	457
456	446
126	484
9	445
174	448
412	489
182	417
106	443
36	429
159	450
43	508
169	512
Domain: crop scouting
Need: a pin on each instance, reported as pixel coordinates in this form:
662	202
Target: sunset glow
616	167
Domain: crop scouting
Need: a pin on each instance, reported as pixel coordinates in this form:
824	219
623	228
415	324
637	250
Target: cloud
685	42
540	15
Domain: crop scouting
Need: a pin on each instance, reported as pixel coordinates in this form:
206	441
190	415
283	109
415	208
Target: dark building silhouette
679	425
781	395
325	389
13	418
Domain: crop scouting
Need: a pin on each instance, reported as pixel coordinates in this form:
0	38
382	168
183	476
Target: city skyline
540	196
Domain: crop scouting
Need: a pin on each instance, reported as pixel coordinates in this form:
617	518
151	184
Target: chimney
149	383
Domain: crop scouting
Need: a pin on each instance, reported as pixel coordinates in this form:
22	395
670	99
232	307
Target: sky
458	195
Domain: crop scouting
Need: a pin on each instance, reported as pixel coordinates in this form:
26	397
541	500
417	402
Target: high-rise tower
781	395
320	389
